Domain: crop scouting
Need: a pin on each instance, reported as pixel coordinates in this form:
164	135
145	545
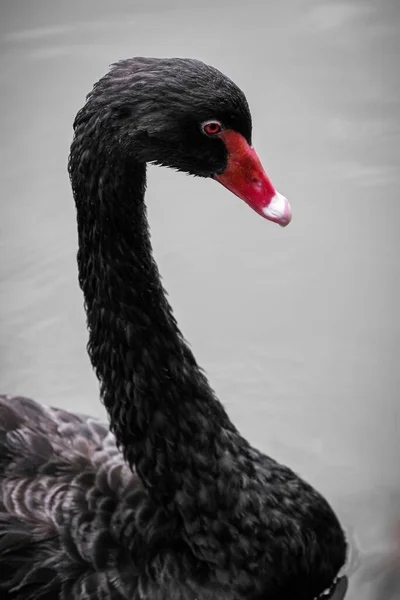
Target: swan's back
76	523
68	527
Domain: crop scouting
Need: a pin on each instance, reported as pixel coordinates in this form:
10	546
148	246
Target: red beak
245	177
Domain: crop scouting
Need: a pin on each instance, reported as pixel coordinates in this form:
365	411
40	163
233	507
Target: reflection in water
383	574
301	324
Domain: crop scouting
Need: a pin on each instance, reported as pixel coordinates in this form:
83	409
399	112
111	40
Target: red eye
212	128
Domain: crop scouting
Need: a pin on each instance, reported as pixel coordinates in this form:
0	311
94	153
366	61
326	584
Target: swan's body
203	515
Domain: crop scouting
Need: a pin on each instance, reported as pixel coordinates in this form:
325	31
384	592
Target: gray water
298	327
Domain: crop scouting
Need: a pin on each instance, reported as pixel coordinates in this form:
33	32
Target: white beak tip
278	210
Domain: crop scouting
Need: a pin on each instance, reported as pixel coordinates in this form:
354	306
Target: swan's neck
162	410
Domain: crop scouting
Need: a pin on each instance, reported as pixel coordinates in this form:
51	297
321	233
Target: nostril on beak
256	182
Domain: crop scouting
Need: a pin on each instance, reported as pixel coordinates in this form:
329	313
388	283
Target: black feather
177	505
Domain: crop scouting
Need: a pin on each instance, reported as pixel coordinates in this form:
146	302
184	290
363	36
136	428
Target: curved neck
162	410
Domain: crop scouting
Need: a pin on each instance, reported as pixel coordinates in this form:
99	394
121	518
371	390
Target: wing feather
65	496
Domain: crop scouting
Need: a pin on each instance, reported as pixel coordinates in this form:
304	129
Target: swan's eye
212	127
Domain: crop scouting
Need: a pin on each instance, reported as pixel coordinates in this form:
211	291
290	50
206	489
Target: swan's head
186	115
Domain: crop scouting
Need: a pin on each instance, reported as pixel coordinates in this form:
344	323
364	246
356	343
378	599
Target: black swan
173	503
